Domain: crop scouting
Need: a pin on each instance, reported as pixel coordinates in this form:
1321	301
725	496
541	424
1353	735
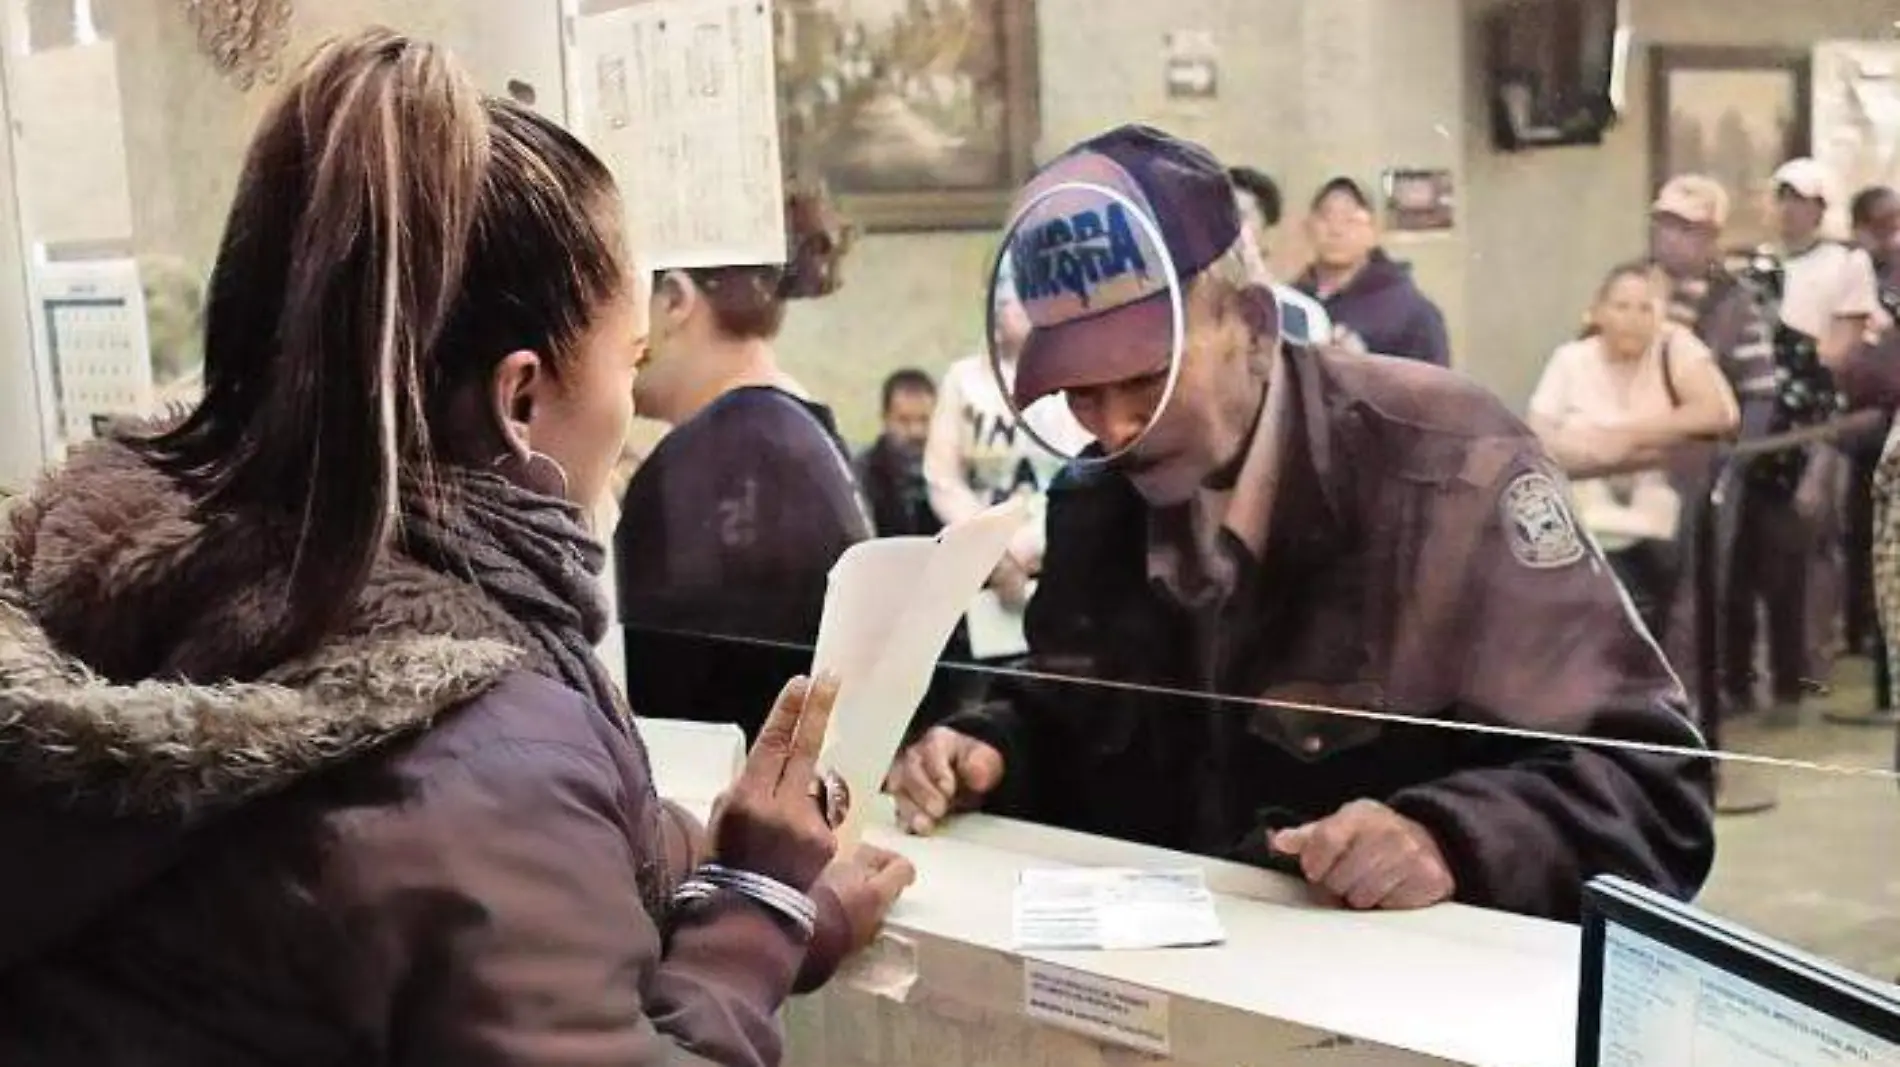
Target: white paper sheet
889	608
996	629
1114	908
680	99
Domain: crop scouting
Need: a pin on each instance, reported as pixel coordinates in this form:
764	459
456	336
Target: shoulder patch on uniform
1537	522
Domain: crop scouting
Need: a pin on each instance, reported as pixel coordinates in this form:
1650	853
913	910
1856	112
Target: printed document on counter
1114	909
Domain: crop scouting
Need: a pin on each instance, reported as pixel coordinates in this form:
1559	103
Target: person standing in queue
1313	525
891	471
1824	296
729	530
1302	319
1733	318
1870	378
1371	299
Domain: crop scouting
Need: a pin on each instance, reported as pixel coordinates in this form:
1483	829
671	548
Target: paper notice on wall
71	142
889	609
680	98
1101	1008
1191	59
93	327
1856	119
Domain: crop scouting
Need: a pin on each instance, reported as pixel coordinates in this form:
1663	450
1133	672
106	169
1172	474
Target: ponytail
341	261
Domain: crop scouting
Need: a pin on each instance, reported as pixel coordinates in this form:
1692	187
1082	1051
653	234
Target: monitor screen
1663	1007
1664	984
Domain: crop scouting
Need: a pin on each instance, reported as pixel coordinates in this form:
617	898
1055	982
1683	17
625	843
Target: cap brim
1132	341
1687	215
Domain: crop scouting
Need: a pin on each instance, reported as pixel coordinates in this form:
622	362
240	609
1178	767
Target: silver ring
833	796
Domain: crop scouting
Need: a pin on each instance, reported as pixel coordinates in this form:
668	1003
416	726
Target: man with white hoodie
979	454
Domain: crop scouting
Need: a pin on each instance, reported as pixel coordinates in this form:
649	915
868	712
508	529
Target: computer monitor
1668	985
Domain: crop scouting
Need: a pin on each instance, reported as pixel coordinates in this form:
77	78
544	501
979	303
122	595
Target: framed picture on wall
1734	114
1857	117
917	114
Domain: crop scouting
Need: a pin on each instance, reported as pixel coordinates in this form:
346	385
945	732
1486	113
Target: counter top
1459	984
1449	984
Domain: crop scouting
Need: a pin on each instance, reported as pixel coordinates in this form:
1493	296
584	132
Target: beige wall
187	126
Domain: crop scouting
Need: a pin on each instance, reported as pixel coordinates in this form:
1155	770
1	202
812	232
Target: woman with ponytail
305	756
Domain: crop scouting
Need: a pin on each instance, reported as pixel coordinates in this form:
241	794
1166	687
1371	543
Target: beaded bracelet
712	878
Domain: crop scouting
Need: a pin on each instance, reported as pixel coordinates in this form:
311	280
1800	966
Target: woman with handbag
1615	407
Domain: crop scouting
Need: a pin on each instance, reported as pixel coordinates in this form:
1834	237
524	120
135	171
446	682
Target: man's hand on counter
944	771
1370	857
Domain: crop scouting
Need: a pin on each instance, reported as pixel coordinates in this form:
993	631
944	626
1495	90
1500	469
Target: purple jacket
406	847
1383	308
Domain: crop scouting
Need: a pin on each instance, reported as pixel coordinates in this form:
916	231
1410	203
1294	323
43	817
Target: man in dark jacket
891	471
1372	301
1731	316
1305	528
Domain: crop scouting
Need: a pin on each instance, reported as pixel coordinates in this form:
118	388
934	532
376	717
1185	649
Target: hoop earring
537	472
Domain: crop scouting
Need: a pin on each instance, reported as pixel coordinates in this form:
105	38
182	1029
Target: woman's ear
513	393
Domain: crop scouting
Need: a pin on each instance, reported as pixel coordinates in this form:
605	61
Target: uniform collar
1202	547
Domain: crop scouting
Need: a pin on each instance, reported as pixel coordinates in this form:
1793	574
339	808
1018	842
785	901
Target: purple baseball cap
1086	271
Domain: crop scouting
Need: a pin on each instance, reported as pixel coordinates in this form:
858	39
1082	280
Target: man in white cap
1829	292
1303	524
1825	295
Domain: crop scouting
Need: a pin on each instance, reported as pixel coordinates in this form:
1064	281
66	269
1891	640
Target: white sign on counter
680	99
1101	1008
1117	909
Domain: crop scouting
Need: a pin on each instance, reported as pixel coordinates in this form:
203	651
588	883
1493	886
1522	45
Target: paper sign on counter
1101	1008
1115	909
889	609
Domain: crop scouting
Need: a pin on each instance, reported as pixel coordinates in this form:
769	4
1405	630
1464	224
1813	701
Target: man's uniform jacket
1420	559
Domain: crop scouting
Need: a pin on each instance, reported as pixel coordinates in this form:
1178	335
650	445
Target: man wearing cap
1829	293
1685	242
1304	526
1824	295
1302	319
1731	316
1374	304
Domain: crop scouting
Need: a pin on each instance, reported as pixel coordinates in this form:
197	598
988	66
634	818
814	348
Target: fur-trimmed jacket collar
121	605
